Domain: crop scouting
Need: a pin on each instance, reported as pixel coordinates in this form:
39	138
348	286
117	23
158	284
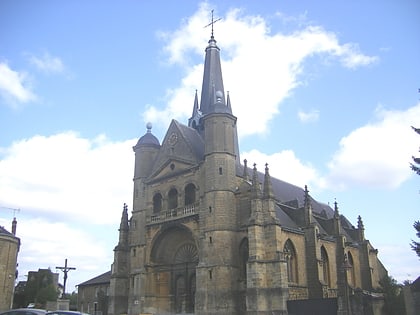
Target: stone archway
175	257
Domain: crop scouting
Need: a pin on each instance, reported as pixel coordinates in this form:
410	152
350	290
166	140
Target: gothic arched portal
174	257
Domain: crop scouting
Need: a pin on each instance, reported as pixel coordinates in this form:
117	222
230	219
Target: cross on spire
212	23
65	270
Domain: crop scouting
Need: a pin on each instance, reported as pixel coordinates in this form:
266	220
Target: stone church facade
210	234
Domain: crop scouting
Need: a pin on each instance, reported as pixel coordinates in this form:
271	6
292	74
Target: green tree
394	298
416	245
416	165
40	288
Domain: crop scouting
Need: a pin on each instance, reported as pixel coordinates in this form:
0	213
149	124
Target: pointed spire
245	175
194	121
228	102
307	207
212	79
361	228
268	187
195	108
337	224
336	213
124	218
256	190
307	198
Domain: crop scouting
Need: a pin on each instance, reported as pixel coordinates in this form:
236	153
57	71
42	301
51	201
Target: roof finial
212	23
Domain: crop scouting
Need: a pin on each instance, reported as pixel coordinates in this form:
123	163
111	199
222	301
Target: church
212	234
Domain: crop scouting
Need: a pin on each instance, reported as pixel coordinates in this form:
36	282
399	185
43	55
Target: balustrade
176	213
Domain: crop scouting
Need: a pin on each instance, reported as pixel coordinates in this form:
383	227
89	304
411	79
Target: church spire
268	187
212	88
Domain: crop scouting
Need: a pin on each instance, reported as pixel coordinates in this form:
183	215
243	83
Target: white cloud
377	154
67	187
67	176
307	117
260	68
45	244
47	63
14	86
284	165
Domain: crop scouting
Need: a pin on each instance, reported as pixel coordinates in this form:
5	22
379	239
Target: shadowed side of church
211	235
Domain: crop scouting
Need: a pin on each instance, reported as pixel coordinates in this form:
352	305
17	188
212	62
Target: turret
145	151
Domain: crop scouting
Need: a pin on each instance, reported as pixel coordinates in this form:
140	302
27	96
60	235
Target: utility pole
65	270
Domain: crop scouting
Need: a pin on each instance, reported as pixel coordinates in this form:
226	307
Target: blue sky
324	92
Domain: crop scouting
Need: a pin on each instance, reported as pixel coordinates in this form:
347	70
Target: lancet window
291	260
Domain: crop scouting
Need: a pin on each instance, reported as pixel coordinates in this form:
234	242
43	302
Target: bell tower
217	271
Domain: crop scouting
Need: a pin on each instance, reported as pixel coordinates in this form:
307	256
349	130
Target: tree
394	298
416	245
416	165
40	288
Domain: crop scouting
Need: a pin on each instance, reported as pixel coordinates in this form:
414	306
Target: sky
325	92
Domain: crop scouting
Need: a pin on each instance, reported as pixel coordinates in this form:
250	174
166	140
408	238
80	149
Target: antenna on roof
212	23
12	209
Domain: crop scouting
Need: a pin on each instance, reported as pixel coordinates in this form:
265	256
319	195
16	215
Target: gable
182	148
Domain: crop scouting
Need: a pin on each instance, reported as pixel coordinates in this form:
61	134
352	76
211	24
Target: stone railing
173	214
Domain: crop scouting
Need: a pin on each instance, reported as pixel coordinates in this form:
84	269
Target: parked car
58	312
25	311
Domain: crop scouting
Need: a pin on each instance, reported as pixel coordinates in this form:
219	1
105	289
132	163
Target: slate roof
5	232
101	279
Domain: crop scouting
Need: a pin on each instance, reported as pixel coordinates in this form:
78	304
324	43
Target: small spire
195	107
307	198
268	188
256	191
149	127
360	225
124	218
228	102
336	213
361	228
307	207
245	174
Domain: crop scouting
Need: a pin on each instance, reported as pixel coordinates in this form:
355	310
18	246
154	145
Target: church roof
101	279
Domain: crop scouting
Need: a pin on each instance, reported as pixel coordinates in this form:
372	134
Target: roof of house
101	279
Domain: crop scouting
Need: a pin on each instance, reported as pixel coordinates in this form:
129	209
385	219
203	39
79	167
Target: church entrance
175	258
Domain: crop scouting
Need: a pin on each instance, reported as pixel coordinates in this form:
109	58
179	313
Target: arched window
350	272
291	260
189	194
173	199
325	267
157	203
